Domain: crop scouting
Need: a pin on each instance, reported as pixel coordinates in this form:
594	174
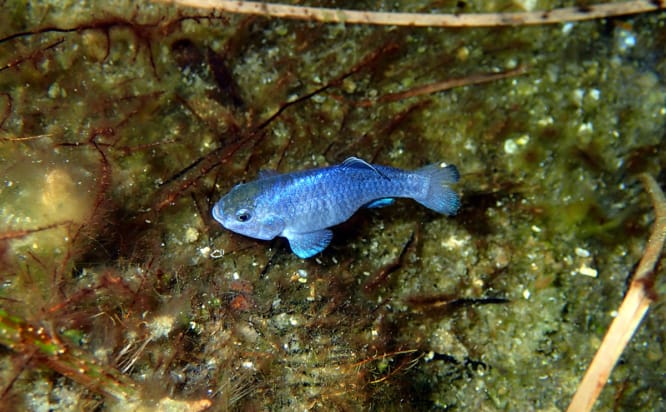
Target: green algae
143	117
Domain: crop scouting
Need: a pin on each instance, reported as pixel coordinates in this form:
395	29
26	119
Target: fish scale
302	206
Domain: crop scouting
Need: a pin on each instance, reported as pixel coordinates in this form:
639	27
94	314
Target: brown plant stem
440	86
631	312
329	15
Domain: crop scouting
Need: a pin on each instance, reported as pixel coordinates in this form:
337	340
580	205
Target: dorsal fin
362	164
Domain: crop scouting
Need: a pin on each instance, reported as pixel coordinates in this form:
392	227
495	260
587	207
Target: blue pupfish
302	206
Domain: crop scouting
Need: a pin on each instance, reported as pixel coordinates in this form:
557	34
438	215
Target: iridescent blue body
301	206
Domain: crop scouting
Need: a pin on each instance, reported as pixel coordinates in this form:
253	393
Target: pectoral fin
305	245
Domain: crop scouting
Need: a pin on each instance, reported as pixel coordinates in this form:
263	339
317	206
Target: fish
302	206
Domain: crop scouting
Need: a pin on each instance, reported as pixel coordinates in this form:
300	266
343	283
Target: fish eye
243	215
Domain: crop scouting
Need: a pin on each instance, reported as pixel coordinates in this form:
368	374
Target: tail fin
440	197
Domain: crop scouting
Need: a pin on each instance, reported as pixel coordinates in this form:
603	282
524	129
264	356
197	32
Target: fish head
241	212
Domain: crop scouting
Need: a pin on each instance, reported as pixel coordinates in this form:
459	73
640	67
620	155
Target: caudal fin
440	197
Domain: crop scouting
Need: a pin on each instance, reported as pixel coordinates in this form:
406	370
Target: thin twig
631	312
25	138
439	86
21	233
328	15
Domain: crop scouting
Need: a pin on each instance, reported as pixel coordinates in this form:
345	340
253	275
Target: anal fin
383	202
